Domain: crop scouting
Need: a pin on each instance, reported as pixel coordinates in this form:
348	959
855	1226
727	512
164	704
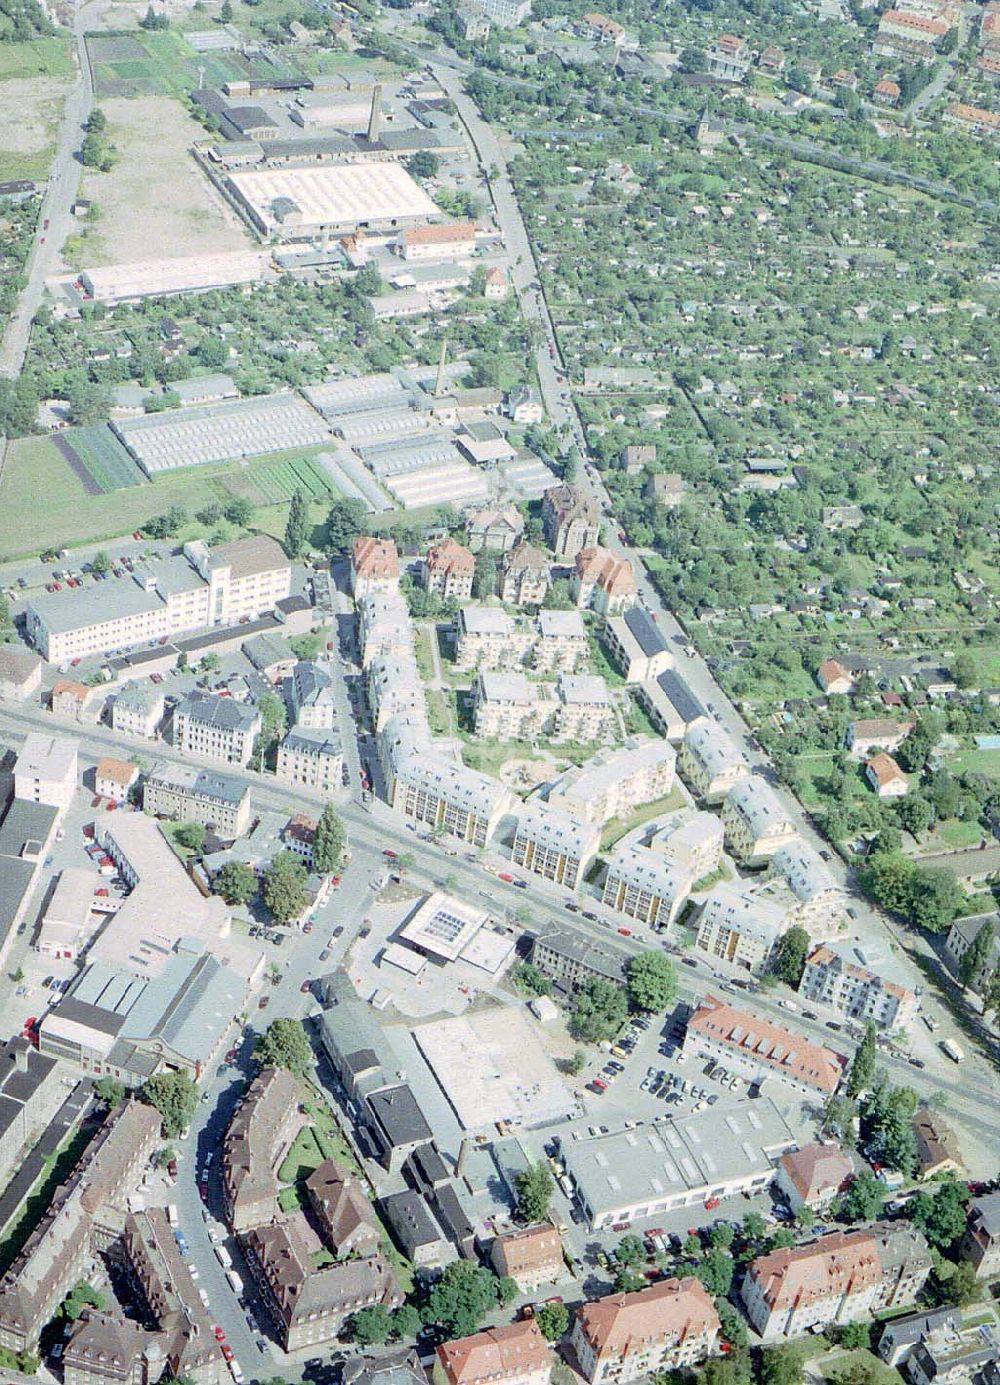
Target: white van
235	1282
172	1216
225	1259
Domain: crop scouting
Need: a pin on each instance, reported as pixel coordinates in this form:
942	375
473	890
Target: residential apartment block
819	900
669	1326
114	778
614	783
47	770
395	689
586	711
561	642
70	699
219	728
313	759
711	762
813	1175
441	794
879	733
448	570
833	977
510	708
194	590
260	1134
554	844
845	1277
756	822
531	1257
572	521
603	582
20	674
962	935
981	1242
637	645
691	838
646	886
310	697
570	959
487	638
137	710
757	1049
383	625
524	577
374	566
187	794
513	1354
741	927
496	530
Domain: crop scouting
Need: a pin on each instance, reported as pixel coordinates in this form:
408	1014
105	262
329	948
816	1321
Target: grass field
41	57
44	503
976	761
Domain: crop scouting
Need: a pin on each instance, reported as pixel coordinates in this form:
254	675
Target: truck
235	1282
954	1051
224	1258
172	1217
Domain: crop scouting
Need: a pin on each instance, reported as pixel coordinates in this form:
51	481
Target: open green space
55	1170
39	57
302	1159
162	62
103	457
976	761
616	829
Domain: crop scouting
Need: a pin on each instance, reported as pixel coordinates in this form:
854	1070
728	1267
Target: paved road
64	181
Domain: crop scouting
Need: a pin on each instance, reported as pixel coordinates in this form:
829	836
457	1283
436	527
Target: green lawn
953	835
302	1159
40	57
616	829
975	761
43	503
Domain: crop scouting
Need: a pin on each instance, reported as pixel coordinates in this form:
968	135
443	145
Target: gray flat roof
685	703
73	608
397	1113
647	635
201	783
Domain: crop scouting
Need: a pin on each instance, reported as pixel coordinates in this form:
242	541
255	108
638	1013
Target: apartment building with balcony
637	645
554	844
137	710
524	576
710	760
311	759
756	822
448	570
603	582
572	521
819	901
374	566
741	927
646	886
833	975
691	838
614	783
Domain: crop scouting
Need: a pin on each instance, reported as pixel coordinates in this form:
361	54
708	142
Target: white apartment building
462	802
383	625
137	710
310	695
487	638
711	762
510	708
646	886
669	1326
506	13
637	645
834	976
217	727
560	643
819	900
756	822
374	566
741	927
195	590
525	577
554	844
312	758
394	688
693	840
47	770
586	711
193	795
615	782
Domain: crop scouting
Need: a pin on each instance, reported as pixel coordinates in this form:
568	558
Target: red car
227	1351
711	1204
392	855
625	932
231	1056
334	882
306	987
507	879
172	1168
264	1002
29	1024
220	1333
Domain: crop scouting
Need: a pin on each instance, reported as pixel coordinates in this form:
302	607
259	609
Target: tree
284	1045
226	12
553	1321
722	1235
88	402
716	1272
941	1216
329	841
805	1217
598	1010
977	954
371	1326
273	722
652	981
191	836
484	582
83	1295
838	1119
238	511
461	1298
297	525
960	1287
285	892
965	670
306	646
628	1281
175	1096
534	1186
101	562
531	980
790	956
576	1063
754	1227
915	814
423	164
406	1323
781	1366
110	1091
630	1250
864	1199
235	882
935	899
863	1066
211	663
856	1336
734	1329
344	523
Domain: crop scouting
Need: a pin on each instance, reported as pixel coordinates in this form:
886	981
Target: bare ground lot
154	203
30	110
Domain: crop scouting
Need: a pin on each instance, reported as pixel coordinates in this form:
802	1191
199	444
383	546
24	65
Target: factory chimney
375	118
